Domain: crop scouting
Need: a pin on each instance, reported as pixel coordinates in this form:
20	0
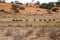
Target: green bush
38	3
50	5
22	8
44	5
14	6
16	11
47	5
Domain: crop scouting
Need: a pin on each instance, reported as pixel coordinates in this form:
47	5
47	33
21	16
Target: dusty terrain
34	9
30	14
29	24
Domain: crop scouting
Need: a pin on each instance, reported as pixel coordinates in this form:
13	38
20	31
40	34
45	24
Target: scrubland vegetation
15	25
51	6
35	24
30	33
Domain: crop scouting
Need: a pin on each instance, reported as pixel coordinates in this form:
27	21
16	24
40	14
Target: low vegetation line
29	24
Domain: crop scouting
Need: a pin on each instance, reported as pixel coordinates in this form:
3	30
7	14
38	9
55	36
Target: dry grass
49	25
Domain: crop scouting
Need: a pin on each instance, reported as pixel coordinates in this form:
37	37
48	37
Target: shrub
45	20
17	37
26	4
34	20
55	9
57	4
50	5
37	10
14	7
30	5
8	33
44	5
53	19
16	2
40	20
42	31
47	6
2	10
26	19
38	3
20	3
53	35
29	32
49	20
16	11
28	25
22	8
21	20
